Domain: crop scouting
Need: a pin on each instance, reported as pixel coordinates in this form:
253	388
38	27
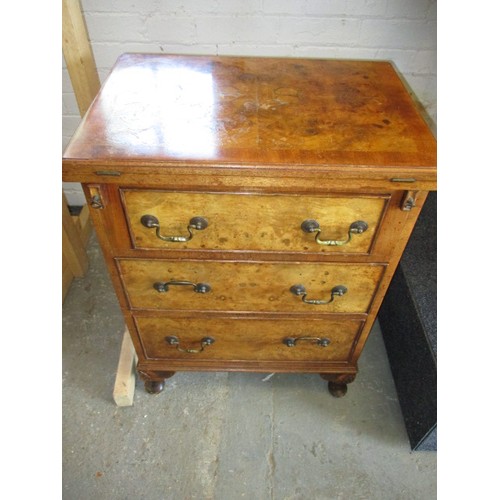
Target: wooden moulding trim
250	366
253	255
248	315
243	261
92	166
296	193
322	315
279	315
153	175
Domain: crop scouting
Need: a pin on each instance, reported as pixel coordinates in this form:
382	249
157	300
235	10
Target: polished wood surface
256	146
247	177
116	234
255	286
248	339
253	222
256	111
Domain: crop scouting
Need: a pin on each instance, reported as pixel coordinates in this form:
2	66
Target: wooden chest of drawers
251	211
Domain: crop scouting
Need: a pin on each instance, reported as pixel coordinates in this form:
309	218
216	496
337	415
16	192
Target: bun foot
337	382
154	386
154	381
337	390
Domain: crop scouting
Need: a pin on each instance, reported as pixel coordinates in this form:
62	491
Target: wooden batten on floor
123	393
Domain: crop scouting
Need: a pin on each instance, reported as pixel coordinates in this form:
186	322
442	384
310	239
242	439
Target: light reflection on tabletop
254	111
172	110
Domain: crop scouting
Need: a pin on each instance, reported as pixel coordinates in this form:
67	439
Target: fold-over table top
253	111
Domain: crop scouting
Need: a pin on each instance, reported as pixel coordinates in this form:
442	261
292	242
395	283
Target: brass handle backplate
96	197
198	223
96	202
312	226
300	290
204	342
409	200
292	341
163	286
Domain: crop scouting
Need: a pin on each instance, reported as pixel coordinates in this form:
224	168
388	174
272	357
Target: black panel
408	319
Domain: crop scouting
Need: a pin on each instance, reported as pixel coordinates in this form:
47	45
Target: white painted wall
403	31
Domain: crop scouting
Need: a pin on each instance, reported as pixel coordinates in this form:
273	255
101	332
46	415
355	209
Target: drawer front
253	222
242	286
247	339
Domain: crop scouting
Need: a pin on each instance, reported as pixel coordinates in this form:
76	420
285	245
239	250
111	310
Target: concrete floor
225	436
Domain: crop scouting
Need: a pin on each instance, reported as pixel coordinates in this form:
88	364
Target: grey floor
225	436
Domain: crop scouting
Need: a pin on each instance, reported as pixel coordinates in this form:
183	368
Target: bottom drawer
248	339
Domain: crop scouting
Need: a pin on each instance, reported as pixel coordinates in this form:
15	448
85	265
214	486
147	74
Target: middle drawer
243	286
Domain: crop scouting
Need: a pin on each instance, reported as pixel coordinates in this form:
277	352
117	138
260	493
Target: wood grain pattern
273	178
253	222
254	145
255	111
78	55
243	286
67	277
74	252
401	235
248	339
123	392
116	234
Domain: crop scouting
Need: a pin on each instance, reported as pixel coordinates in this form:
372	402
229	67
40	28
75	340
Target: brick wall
403	31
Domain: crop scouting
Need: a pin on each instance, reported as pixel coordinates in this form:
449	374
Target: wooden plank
83	223
73	249
67	277
85	81
83	226
78	55
124	389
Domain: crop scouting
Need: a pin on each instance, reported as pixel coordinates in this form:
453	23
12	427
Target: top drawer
160	220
